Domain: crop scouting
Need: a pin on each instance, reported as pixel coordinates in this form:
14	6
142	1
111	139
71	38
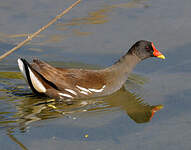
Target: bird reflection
134	106
35	109
32	109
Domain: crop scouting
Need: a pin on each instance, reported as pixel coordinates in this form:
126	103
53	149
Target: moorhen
68	84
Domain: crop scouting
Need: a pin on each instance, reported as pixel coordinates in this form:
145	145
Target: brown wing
70	78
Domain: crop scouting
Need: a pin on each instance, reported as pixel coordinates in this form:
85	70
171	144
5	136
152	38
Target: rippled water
94	35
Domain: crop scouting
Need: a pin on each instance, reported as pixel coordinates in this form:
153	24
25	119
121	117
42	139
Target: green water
94	35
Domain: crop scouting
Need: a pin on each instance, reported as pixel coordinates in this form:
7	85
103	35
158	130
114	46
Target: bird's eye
146	47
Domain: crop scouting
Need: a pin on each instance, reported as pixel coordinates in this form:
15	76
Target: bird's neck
125	64
118	72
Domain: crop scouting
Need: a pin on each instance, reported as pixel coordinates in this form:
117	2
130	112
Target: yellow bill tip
161	56
159	107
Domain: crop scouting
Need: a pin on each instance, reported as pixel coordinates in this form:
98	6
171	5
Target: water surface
94	35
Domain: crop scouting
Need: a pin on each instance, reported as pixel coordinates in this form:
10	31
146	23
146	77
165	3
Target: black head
145	49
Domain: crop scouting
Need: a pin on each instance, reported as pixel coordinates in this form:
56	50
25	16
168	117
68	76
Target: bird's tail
35	80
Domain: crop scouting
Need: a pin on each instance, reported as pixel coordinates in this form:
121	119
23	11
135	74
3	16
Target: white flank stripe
36	83
83	92
83	89
99	90
21	67
71	91
66	95
84	103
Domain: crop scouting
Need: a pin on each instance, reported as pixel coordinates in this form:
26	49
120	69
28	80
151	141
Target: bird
69	84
